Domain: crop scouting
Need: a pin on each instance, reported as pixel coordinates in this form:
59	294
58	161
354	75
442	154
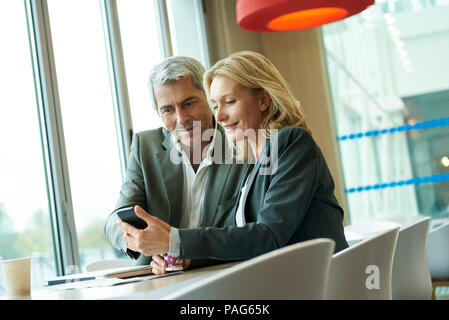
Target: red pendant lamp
288	15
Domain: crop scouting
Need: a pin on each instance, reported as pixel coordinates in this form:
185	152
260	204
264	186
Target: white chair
438	222
363	271
438	255
438	252
298	271
411	276
108	264
357	232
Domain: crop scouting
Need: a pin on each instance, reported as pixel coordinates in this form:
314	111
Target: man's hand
152	240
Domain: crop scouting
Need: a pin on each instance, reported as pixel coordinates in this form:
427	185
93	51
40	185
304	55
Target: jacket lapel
172	174
218	174
263	159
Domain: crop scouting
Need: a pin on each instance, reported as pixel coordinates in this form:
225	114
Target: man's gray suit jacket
154	182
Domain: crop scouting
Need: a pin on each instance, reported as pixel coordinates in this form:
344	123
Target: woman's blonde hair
255	72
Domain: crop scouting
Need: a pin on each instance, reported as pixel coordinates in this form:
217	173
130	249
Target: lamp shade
288	15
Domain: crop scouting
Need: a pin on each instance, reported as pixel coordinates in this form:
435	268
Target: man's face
180	103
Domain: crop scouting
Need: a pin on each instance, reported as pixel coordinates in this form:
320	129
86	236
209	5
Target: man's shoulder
153	136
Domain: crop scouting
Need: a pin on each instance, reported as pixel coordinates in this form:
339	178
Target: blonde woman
288	195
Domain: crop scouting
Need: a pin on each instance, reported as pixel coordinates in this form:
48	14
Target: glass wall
88	119
187	29
143	46
25	228
140	34
388	74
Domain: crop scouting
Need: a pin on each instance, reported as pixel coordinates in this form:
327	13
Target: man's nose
182	117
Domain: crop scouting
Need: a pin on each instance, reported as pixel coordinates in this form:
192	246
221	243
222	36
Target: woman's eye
230	102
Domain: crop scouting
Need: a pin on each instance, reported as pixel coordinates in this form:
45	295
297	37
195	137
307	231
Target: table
148	289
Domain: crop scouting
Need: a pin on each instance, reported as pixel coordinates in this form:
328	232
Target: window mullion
199	9
118	80
165	43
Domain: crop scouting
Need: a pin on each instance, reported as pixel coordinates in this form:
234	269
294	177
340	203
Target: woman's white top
239	214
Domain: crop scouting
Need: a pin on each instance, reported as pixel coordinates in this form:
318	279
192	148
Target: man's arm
132	193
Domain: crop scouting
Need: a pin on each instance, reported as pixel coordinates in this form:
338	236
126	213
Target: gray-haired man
197	191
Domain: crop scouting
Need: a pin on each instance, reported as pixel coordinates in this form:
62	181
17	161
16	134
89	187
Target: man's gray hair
172	69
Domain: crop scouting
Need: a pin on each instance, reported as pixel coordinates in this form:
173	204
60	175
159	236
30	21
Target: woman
288	194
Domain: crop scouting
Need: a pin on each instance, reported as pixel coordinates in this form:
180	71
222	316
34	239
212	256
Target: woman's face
236	108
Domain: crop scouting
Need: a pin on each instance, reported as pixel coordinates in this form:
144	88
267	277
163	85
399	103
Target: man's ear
264	100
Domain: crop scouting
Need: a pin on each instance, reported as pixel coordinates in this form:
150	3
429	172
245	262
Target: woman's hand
158	264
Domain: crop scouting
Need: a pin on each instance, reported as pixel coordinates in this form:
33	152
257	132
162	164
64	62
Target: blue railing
429	124
413	181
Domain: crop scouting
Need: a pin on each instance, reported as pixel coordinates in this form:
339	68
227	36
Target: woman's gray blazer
290	198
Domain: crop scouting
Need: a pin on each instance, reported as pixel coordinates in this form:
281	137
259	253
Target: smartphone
128	215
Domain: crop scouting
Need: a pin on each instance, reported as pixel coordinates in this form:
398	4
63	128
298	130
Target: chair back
355	233
438	252
411	277
298	271
363	271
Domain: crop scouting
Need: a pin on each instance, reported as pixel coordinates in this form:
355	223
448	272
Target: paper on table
126	272
105	282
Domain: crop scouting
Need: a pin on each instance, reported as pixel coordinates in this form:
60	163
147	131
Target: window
187	29
64	105
388	74
141	50
88	119
143	36
25	228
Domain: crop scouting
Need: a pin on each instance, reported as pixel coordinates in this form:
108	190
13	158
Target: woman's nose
220	114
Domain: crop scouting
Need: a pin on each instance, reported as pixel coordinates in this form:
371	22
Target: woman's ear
264	100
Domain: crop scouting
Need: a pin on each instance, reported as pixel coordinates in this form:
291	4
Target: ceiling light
445	161
288	15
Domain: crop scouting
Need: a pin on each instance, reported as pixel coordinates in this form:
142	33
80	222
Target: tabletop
147	289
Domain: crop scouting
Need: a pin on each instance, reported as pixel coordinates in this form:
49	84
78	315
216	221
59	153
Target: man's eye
189	103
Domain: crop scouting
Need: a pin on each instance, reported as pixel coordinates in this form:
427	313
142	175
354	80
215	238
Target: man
177	173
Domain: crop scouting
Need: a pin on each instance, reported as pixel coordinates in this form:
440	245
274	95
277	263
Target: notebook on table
122	273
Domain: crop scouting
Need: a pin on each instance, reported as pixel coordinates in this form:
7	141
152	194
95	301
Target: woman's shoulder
291	142
292	134
295	130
